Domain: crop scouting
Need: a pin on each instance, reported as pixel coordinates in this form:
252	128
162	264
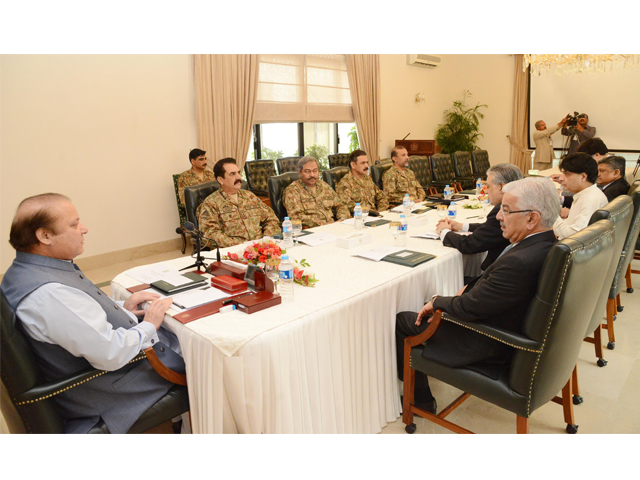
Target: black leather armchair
636	255
195	195
419	165
544	355
276	186
377	171
34	399
339	160
383	161
287	164
182	214
463	170
257	173
620	212
334	175
443	172
480	163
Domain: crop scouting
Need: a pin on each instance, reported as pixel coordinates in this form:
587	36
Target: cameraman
579	133
543	158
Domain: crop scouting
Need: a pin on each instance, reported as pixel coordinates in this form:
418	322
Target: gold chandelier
578	63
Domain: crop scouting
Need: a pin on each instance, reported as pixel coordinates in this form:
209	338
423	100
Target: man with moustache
230	215
543	157
358	187
197	174
581	132
400	180
311	200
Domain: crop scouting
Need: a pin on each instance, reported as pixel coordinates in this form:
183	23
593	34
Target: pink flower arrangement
258	252
299	277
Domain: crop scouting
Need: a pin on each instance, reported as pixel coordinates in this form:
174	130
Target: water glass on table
393	230
297	228
271	270
442	211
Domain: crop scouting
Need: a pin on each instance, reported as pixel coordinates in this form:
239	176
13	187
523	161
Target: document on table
351	221
155	273
192	298
318	238
430	234
379	253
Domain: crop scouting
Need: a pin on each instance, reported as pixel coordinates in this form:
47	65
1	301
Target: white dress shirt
62	315
584	204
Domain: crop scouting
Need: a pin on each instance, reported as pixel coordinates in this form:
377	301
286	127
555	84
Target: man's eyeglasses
509	212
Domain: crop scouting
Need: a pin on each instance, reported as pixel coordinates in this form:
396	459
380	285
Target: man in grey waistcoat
72	325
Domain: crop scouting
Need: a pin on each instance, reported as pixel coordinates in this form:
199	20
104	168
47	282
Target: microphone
191	228
406	136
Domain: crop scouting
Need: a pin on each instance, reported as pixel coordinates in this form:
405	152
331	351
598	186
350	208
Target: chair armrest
51	389
164	371
500	334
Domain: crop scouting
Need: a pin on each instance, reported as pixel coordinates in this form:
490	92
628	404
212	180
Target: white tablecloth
324	363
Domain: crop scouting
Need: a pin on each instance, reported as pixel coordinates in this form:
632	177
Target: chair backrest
560	312
462	164
257	173
287	164
442	168
182	213
383	161
419	165
334	175
20	373
196	194
480	163
276	186
635	186
377	171
629	246
620	212
339	160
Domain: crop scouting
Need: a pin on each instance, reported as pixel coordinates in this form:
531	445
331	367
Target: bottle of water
452	212
406	205
357	217
478	187
287	233
402	232
286	279
447	192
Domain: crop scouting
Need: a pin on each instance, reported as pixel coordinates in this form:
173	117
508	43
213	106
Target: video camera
573	119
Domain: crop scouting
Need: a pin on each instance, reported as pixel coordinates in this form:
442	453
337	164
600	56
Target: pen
473	217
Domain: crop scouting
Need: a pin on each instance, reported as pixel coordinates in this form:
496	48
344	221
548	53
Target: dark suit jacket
500	297
486	237
617	188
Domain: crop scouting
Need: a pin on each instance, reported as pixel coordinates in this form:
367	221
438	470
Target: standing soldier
197	174
311	200
231	216
358	187
399	180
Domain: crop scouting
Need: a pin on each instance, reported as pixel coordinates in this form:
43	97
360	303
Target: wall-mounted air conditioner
423	60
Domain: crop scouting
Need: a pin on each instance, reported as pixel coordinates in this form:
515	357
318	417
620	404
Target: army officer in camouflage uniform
231	216
311	200
197	174
358	187
399	180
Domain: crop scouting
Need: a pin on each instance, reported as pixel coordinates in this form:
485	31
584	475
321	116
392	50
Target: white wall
489	78
106	130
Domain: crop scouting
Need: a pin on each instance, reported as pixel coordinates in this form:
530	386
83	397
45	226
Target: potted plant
460	130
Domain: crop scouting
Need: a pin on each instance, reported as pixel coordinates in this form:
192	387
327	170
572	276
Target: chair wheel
410	428
611	345
577	399
572	428
629	290
620	308
602	362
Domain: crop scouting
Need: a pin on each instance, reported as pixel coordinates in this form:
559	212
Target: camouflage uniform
397	183
228	223
352	191
313	209
189	178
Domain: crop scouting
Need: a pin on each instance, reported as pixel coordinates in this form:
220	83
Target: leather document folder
408	258
168	289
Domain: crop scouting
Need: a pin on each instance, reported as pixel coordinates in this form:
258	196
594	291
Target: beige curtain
226	89
364	82
520	155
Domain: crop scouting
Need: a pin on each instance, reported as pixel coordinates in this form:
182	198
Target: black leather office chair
34	399
620	212
546	352
377	171
339	160
276	186
257	173
287	164
195	195
463	170
443	172
480	163
383	161
635	186
182	214
419	165
334	175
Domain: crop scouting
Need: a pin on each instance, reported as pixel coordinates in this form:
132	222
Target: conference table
326	361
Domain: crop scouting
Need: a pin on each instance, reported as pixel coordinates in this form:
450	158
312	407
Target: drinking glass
442	211
297	228
365	212
393	230
271	270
